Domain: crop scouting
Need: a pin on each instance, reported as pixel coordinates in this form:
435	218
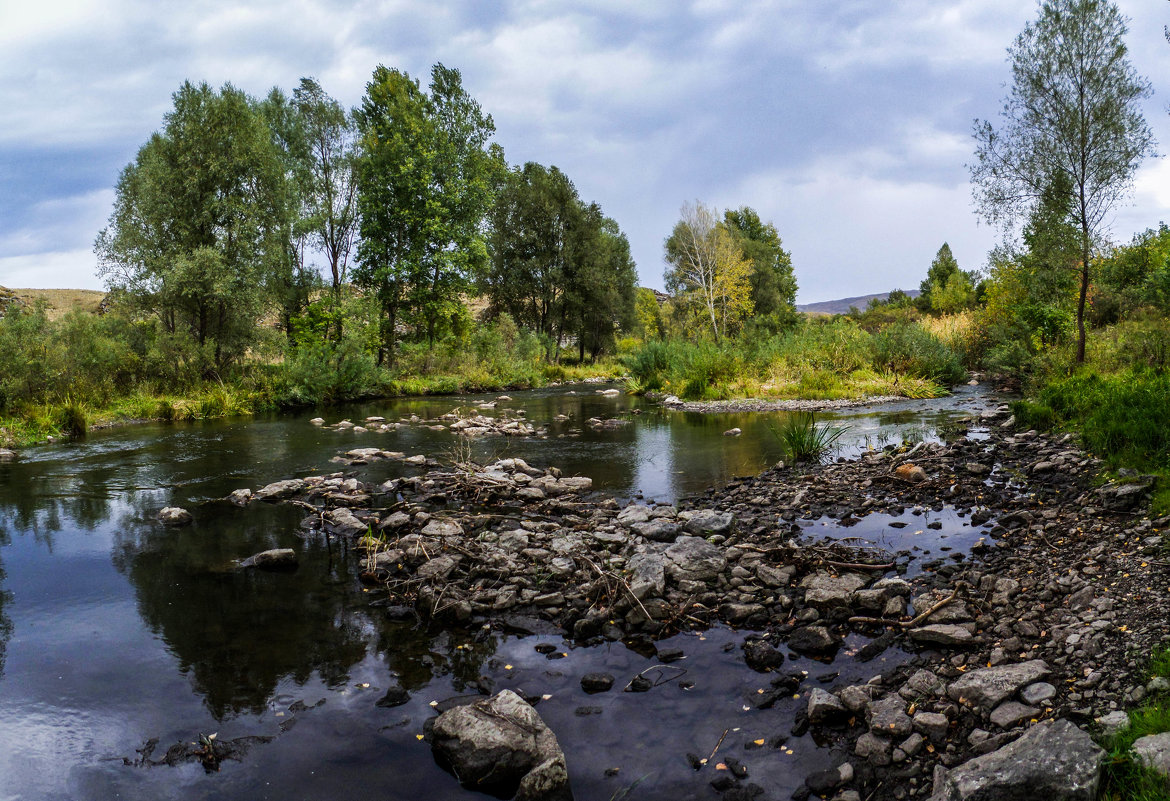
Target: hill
842	305
58	301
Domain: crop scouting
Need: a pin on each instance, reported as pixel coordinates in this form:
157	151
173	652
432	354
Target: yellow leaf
418	736
720	766
759	741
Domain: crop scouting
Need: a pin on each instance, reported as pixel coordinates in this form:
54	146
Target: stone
922	684
977	469
775	576
984	689
634	513
442	528
824	782
437	568
7	455
394	521
1055	761
1153	751
647	574
824	707
657	530
1039	693
933	724
596	682
857	696
826	592
1011	713
888	717
500	745
274	559
706	522
911	473
174	516
1113	723
241	497
873	748
738	613
694	559
732	432
945	634
761	655
814	640
279	490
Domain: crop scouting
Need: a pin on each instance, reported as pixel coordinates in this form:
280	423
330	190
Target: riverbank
994	561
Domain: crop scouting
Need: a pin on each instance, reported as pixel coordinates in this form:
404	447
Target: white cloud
70	269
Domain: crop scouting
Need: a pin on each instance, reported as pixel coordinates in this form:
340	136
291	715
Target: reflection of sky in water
122	630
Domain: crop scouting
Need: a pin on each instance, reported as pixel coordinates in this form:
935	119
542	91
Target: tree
199	223
425	182
1073	111
773	284
941	269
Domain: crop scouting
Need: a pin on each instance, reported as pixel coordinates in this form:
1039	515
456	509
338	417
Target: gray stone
442	528
945	634
394	521
1039	693
634	513
437	568
240	497
501	745
694	559
912	744
857	697
279	490
824	707
1113	723
647	575
174	516
873	748
761	655
775	576
933	724
274	559
708	521
812	640
1153	751
888	717
738	613
7	455
923	684
985	688
1010	713
1054	761
825	591
657	530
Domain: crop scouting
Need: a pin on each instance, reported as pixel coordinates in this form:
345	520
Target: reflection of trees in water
417	656
240	633
5	599
42	503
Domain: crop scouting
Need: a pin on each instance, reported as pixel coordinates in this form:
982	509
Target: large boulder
984	689
500	745
1053	761
694	559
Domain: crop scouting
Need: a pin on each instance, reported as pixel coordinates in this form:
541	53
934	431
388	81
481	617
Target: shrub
911	350
802	439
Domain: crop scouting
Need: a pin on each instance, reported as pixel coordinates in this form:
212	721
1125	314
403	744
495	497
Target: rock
775	576
596	682
857	697
986	688
1153	751
437	568
317	421
647	575
1039	693
814	640
945	634
1054	761
977	469
823	707
826	592
911	473
761	655
442	528
873	748
174	516
933	724
738	613
279	490
732	432
888	717
1113	723
706	522
657	530
825	781
346	522
694	559
274	559
634	513
394	521
7	455
1010	713
500	745
241	497
923	684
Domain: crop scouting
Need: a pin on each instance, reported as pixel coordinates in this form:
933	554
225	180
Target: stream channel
116	631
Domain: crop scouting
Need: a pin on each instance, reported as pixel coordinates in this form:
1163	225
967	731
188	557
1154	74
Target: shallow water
115	631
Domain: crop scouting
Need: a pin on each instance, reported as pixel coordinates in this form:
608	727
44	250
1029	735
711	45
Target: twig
909	624
716	748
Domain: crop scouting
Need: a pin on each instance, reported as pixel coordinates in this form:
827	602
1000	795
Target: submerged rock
174	516
1054	761
501	745
274	559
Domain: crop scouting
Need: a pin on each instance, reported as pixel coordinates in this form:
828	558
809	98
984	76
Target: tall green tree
199	223
1074	111
773	283
425	182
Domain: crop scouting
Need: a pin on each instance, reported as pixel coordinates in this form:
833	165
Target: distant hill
57	301
842	306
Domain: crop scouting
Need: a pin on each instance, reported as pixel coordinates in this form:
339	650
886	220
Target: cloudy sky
846	123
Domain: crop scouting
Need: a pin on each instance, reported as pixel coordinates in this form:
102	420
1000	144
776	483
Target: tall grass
803	440
1125	779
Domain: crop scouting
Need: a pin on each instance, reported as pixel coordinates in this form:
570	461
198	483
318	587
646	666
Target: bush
803	440
911	350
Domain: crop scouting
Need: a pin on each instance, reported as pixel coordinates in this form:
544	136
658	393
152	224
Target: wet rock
694	559
738	613
823	707
596	682
761	655
945	634
240	497
279	490
7	455
1153	751
977	469
274	559
501	745
317	421
857	697
174	516
394	521
395	696
346	522
984	689
732	432
813	640
706	522
826	592
1055	761
826	781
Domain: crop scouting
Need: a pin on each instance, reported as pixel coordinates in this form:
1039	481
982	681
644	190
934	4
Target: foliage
772	282
912	350
1072	120
802	439
1124	778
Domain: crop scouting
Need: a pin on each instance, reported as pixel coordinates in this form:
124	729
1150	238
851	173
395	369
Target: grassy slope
62	301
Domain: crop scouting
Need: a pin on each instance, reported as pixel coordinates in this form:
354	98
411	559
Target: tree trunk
1084	292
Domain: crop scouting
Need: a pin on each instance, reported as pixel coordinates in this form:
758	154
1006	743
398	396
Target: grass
1125	779
802	440
60	302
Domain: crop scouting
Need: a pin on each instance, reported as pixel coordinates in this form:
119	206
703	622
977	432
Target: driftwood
909	624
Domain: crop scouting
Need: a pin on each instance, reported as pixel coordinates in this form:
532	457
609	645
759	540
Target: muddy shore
1043	603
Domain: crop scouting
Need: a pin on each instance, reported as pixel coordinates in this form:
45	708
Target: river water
116	632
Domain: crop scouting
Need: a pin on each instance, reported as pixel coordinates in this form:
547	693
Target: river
116	631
